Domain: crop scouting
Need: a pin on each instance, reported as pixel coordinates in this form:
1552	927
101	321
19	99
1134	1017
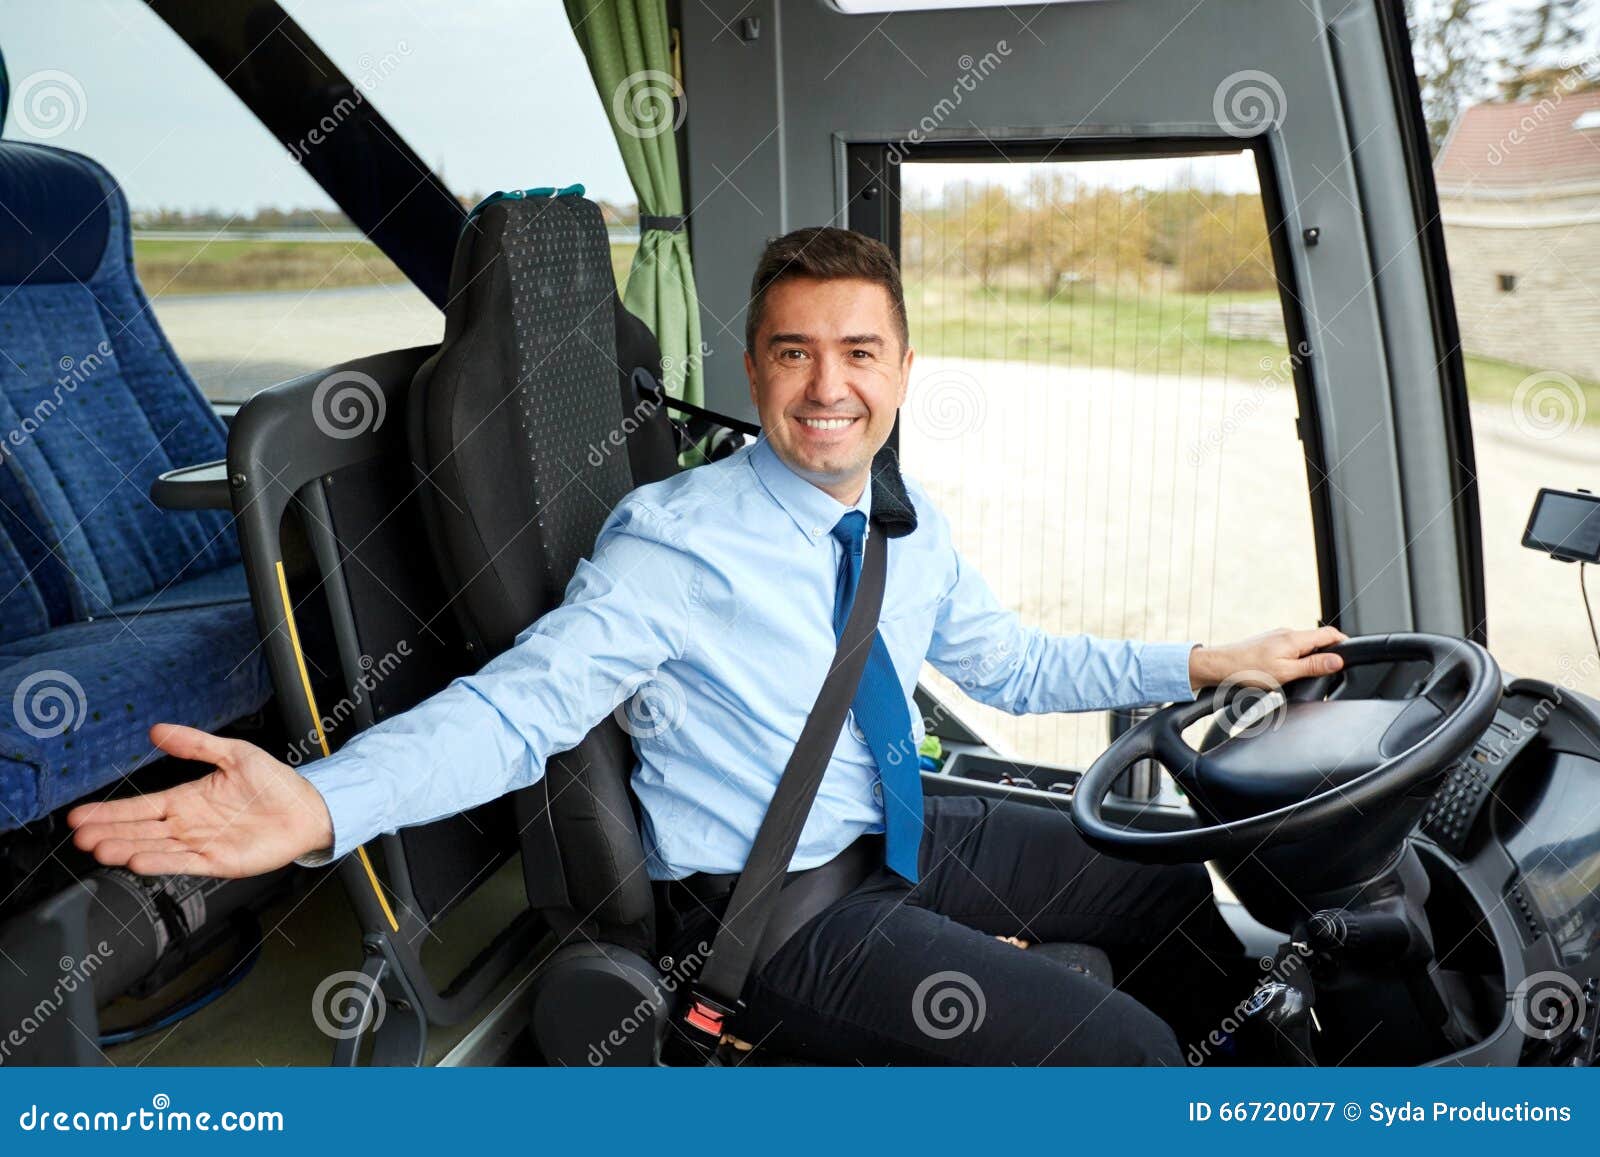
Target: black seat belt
716	995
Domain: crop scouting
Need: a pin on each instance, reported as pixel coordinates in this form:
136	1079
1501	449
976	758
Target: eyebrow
805	339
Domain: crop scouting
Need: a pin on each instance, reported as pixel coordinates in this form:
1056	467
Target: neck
847	491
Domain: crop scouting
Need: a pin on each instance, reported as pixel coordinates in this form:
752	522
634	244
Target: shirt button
855	728
877	790
816	532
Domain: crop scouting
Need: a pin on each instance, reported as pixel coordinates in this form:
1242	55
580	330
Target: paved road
1109	502
238	343
1156	507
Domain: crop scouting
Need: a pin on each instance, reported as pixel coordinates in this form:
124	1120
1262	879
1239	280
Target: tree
993	232
1543	42
1083	232
1450	48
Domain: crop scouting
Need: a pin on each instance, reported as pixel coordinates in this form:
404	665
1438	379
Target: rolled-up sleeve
626	612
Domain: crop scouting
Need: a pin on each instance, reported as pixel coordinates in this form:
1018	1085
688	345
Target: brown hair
825	253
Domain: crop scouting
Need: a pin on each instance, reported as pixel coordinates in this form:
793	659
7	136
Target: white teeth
826	423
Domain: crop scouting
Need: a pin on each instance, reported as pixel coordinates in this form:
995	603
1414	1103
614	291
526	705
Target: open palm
250	815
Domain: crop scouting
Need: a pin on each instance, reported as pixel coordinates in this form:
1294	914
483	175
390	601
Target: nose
827	387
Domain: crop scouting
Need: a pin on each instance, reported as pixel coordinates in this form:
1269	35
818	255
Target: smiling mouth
826	423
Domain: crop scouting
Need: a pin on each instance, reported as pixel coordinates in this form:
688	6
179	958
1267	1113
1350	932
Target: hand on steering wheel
1291	771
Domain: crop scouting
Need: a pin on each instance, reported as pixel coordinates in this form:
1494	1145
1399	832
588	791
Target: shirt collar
813	509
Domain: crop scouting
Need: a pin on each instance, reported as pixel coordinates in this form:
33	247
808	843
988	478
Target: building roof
1523	144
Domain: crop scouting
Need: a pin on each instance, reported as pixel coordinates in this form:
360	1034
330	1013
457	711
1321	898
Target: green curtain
630	57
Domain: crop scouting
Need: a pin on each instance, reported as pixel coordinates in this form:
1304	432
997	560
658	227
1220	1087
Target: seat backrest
93	405
526	431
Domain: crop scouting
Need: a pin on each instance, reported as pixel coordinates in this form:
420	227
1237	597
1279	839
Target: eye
861	354
783	355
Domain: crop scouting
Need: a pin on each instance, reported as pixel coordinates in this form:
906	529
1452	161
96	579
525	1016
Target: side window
1103	404
252	271
1514	180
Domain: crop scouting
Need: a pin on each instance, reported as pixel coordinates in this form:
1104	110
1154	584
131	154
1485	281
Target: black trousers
898	974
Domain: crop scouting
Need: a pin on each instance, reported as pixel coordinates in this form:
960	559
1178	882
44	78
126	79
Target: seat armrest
202	487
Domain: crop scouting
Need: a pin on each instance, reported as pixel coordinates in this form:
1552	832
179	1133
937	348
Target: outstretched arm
625	613
995	658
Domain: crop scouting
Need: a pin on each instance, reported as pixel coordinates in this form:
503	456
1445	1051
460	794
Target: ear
750	372
905	374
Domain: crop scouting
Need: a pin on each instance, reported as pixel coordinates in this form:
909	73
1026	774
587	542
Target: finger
120	851
116	811
191	743
172	864
1313	665
89	836
1304	642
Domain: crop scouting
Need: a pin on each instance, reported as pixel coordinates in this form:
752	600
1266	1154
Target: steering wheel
1292	772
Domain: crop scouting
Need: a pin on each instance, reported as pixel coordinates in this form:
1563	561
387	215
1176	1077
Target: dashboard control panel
1454	810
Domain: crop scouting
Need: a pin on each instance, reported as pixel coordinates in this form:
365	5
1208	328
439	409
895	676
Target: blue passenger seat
114	614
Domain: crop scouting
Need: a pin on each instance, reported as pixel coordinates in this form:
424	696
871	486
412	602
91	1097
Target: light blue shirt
711	594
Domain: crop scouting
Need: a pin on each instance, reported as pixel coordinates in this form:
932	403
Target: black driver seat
526	429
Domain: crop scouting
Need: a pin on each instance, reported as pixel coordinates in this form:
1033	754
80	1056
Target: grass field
248	266
1158	332
1148	332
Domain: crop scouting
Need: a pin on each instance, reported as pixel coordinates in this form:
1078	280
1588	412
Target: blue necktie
881	714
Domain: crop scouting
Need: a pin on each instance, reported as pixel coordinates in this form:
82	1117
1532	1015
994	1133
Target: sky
493	92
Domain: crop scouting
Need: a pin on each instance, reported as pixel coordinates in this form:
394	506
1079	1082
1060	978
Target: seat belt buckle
709	1016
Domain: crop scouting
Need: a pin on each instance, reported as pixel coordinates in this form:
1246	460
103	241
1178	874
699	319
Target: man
725	587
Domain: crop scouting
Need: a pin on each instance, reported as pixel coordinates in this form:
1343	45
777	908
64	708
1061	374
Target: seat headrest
59	207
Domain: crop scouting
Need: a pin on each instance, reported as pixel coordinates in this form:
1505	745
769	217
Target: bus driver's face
827	374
